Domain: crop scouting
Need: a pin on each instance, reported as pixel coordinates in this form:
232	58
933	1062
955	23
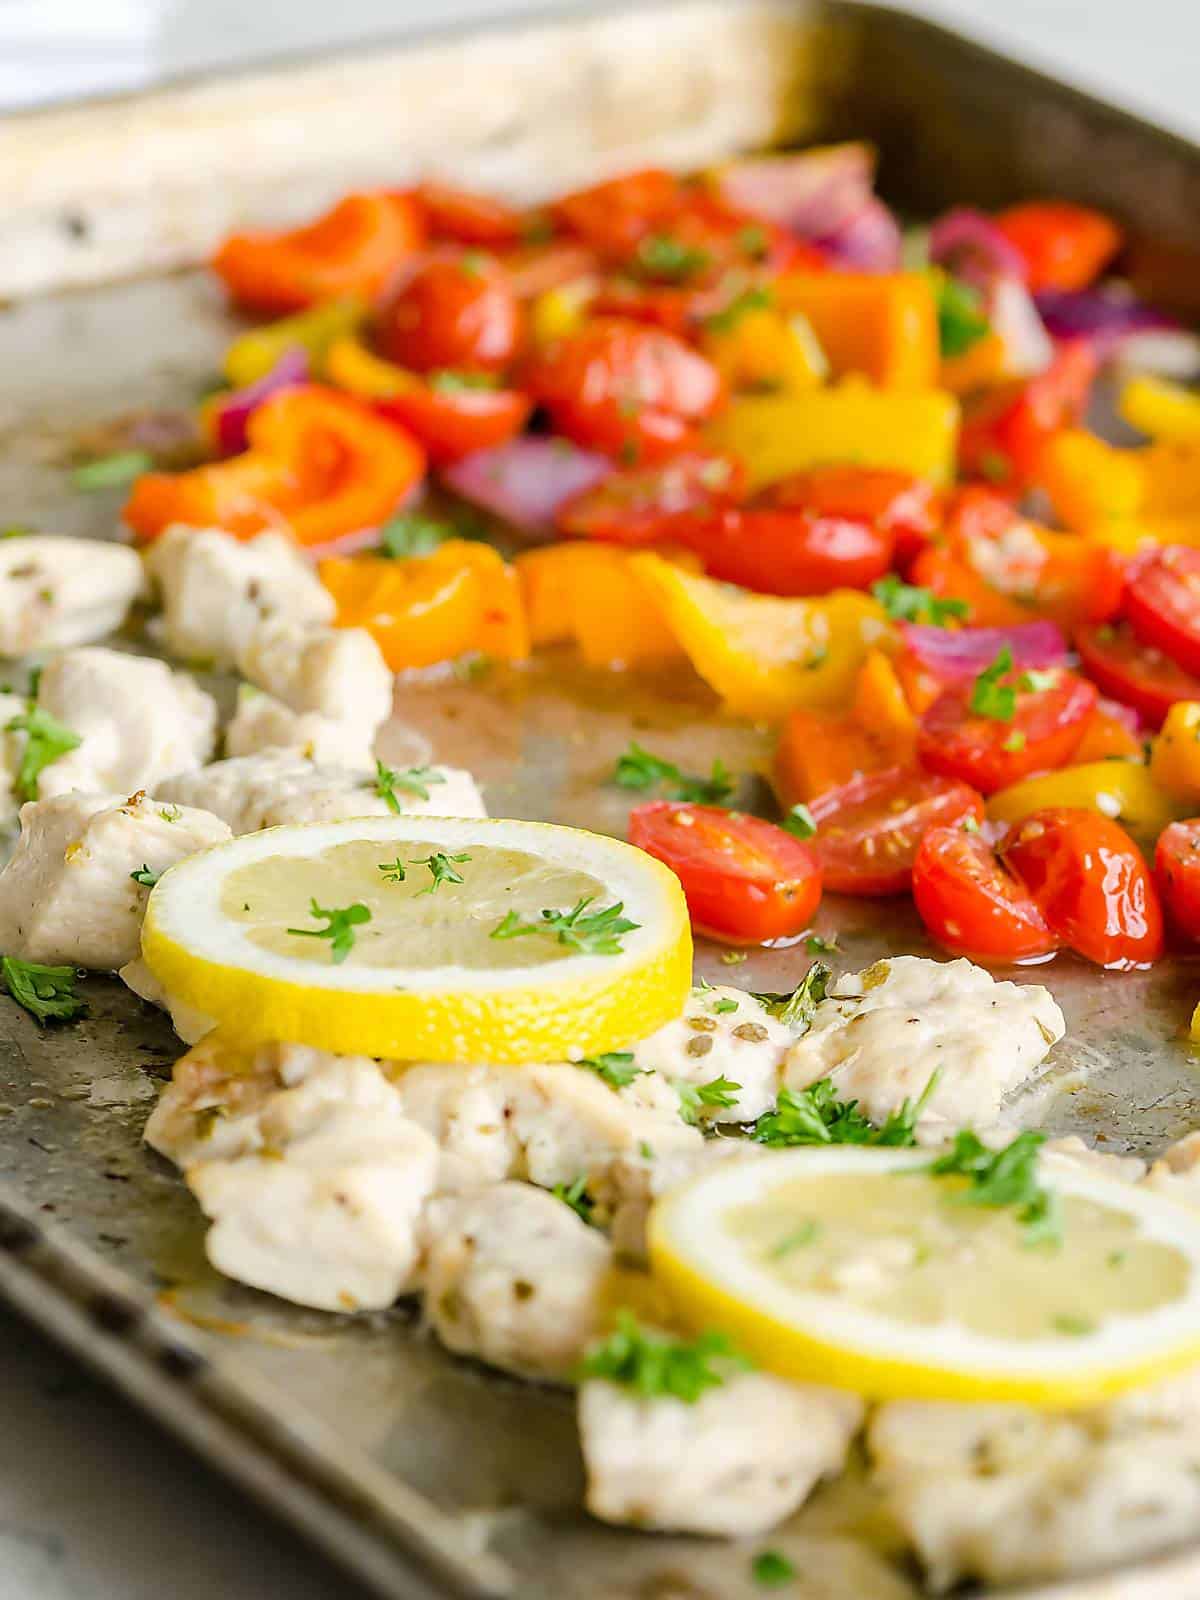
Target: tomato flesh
869	830
613	217
784	552
1064	246
456	312
1091	884
1005	430
636	507
746	881
455	423
989	753
1136	674
1162	603
971	904
1177	874
468	217
907	507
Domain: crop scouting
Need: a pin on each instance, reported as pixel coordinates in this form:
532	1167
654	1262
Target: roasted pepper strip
319	465
1175	759
883	325
349	365
254	355
1161	409
589	595
352	250
1091	484
1125	790
761	348
820	750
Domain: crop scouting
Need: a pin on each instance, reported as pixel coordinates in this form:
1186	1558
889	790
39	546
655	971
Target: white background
95	1504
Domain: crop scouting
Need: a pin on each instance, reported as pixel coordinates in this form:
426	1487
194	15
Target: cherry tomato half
468	217
1162	602
1136	674
972	904
1177	874
1091	884
612	217
990	753
868	830
784	552
635	507
907	507
745	879
1005	430
455	312
454	422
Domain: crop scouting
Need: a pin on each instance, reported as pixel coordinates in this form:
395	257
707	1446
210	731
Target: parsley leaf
961	318
576	1196
1007	1177
669	260
641	769
614	1066
799	822
146	876
795	1010
724	1005
693	1098
439	864
410	534
655	1365
990	697
818	946
47	993
816	1116
1034	682
411	780
770	1570
393	871
904	602
112	472
597	934
47	739
340	930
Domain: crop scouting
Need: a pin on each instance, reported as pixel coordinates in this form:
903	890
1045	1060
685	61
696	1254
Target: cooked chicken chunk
325	1211
550	1124
263	723
191	1025
136	719
882	1034
218	591
1009	1495
55	593
1177	1172
625	1186
733	1463
12	749
722	1033
277	786
339	672
68	895
513	1276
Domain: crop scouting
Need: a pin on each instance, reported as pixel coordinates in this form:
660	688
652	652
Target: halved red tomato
990	752
1136	674
613	216
869	829
469	217
1091	884
634	507
1177	873
783	552
455	312
972	904
1162	603
452	422
907	507
1005	430
746	880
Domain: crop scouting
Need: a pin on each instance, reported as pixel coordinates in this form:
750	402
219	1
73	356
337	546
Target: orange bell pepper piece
461	597
882	324
1104	738
352	250
819	750
588	594
978	367
319	465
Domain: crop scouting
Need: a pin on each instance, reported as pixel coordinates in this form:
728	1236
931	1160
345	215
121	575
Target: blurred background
1143	55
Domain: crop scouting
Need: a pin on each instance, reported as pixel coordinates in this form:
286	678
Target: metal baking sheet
425	1474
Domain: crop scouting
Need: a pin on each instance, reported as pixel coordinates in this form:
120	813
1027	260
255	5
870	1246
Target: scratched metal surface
427	1475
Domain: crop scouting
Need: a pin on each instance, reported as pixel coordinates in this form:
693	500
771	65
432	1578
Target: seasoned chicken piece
68	896
1010	1495
263	723
1177	1172
12	749
136	719
339	672
722	1033
549	1124
55	593
624	1187
733	1463
325	1212
882	1034
218	591
191	1025
514	1277
278	786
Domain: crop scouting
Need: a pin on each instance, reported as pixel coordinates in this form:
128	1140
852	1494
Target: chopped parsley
808	1231
756	298
410	534
733	958
614	1066
989	696
641	769
694	1098
1014	742
669	260
961	318
770	1570
410	780
657	1365
47	993
816	1116
393	871
576	1196
1007	1177
47	739
339	930
724	1005
442	869
112	472
598	933
818	946
796	1010
146	876
905	602
799	822
170	813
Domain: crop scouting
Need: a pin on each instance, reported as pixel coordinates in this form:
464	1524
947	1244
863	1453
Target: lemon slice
859	1269
423	977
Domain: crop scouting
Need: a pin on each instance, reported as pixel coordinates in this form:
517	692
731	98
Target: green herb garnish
816	1116
797	1239
796	1010
961	318
669	260
655	1365
112	472
575	1195
47	993
724	1005
393	871
409	780
410	534
770	1570
817	946
441	867
904	602
720	1093
47	739
596	934
756	298
146	876
799	822
991	698
341	923
616	1067
1007	1177
641	769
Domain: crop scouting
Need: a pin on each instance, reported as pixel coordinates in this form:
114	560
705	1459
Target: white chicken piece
882	1034
58	592
733	1463
1009	1494
513	1277
624	1187
338	672
12	749
137	722
191	1025
722	1033
218	591
548	1124
1177	1171
325	1212
281	786
68	896
261	722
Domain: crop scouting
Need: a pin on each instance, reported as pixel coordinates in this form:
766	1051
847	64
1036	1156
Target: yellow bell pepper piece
1092	484
778	435
1175	758
349	365
762	654
760	348
1125	790
884	325
560	311
1160	409
1170	478
253	355
589	595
